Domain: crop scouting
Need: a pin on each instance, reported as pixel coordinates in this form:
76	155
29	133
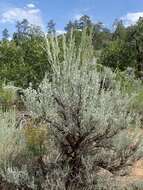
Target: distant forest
23	59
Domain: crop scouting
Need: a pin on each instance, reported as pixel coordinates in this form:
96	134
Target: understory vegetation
71	107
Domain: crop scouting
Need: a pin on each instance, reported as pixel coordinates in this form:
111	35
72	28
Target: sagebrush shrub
10	97
87	111
11	143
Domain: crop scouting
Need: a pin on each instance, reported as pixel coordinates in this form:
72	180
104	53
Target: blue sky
40	11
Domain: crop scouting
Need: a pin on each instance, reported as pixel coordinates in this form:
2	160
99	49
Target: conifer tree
5	34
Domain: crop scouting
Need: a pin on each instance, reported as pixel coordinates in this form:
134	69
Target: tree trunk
72	158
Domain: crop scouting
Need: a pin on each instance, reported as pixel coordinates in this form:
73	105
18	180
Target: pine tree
120	30
22	30
84	22
69	26
5	34
51	27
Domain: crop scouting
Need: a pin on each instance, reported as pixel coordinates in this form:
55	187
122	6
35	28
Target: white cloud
9	38
59	32
31	13
131	18
30	5
77	16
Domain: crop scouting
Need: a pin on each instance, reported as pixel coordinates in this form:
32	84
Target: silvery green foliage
56	180
18	177
11	145
137	185
74	82
10	137
85	108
